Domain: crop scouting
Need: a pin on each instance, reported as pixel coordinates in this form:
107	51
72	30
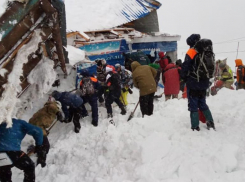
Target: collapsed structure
33	33
138	33
17	26
33	41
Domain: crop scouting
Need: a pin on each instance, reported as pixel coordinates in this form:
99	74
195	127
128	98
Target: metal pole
237	50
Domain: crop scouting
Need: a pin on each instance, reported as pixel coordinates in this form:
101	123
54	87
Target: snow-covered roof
106	14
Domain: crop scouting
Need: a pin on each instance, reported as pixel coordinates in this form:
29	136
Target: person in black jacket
196	89
113	92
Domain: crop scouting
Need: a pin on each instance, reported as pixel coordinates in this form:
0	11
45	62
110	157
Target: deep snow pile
13	86
157	148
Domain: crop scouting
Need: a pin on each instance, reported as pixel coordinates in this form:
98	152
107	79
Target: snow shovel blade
157	96
131	116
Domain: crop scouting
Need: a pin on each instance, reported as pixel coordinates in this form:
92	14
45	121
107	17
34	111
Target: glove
38	148
124	90
41	155
65	121
59	116
130	91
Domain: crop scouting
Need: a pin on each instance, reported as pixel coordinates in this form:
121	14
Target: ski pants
100	93
76	114
196	99
92	100
22	162
123	97
146	104
110	98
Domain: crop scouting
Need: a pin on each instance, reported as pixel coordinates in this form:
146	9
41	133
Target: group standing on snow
112	84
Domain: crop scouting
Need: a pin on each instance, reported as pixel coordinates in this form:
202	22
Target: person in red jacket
163	60
171	80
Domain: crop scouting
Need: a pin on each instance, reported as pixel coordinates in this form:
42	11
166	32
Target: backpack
241	71
205	60
115	81
87	87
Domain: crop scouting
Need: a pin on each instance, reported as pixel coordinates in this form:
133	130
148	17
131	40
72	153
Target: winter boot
123	111
94	123
77	129
210	124
209	118
197	128
109	115
101	100
194	120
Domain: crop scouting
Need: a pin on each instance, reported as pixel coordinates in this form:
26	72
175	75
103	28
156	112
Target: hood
161	54
56	95
155	66
192	39
51	108
85	73
169	66
179	62
238	62
134	65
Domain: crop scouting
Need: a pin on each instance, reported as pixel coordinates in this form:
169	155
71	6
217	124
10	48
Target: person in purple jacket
10	151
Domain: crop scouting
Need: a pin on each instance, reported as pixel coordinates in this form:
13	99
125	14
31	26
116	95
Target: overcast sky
218	20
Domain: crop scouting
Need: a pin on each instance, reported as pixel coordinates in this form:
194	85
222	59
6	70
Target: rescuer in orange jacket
196	89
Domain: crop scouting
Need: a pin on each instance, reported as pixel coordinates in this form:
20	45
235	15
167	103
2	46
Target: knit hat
192	39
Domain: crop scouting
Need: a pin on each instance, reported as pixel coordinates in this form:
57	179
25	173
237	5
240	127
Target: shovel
132	113
158	96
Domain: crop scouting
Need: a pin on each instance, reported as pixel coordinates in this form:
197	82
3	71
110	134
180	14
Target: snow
12	87
42	77
3	72
91	15
159	148
75	55
3	5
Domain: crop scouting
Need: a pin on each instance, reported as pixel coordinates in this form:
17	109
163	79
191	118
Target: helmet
117	65
100	62
222	65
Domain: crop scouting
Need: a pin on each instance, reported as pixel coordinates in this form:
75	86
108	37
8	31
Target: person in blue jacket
10	142
72	107
196	89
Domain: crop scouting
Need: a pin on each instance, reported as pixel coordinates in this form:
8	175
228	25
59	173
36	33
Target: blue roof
135	9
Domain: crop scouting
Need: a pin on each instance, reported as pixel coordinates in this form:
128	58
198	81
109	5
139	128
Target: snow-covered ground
158	148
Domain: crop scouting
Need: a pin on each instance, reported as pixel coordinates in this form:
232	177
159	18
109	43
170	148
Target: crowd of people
112	84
